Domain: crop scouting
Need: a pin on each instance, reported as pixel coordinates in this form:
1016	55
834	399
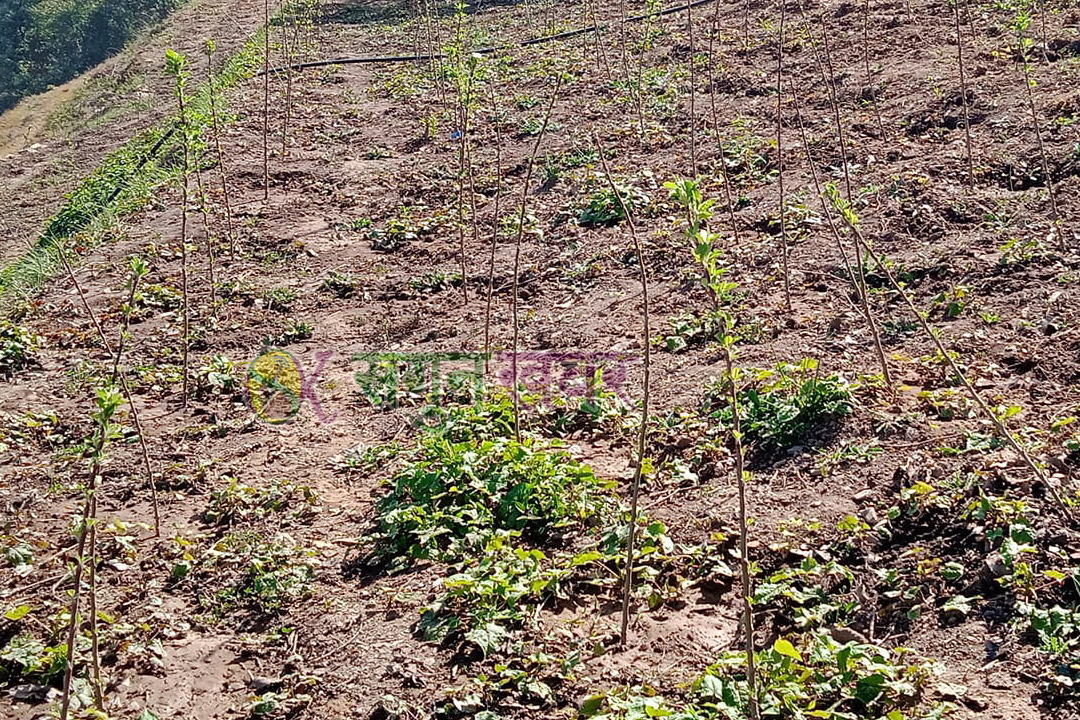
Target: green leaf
785	648
17	613
487	637
592	705
712	687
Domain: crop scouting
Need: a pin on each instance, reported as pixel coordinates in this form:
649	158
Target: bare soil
358	150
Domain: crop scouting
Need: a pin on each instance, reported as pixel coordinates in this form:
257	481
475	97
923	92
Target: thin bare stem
780	157
517	253
744	531
870	84
635	490
95	642
934	336
1055	216
716	129
216	127
123	381
496	123
859	282
185	339
73	608
693	91
266	106
964	92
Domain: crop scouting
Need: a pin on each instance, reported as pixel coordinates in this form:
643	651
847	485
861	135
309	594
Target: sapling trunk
780	157
934	336
138	271
1022	23
716	130
825	67
870	84
464	106
601	51
266	107
185	339
215	125
177	68
73	608
61	253
830	81
107	402
517	253
496	123
746	26
95	643
210	250
964	93
635	489
744	531
287	54
859	283
693	90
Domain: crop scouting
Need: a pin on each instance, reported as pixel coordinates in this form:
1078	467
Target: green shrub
456	494
783	406
17	346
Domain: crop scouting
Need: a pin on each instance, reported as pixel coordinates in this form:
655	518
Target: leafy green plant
801	678
17	347
341	285
492	595
695	327
436	281
853	680
280	299
366	460
246	570
295	331
216	377
603	208
785	405
952	302
237	501
25	658
457	493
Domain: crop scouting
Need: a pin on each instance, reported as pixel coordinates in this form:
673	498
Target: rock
869	516
262	684
863	495
995	565
846	635
976	703
1000	681
29	693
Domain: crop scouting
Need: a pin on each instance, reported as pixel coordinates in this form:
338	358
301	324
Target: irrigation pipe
481	51
412	58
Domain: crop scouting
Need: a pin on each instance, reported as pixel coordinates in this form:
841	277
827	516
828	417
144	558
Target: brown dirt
357	634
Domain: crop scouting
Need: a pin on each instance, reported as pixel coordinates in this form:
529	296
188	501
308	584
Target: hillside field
323	390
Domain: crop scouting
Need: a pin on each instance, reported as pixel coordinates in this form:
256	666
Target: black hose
142	161
481	51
